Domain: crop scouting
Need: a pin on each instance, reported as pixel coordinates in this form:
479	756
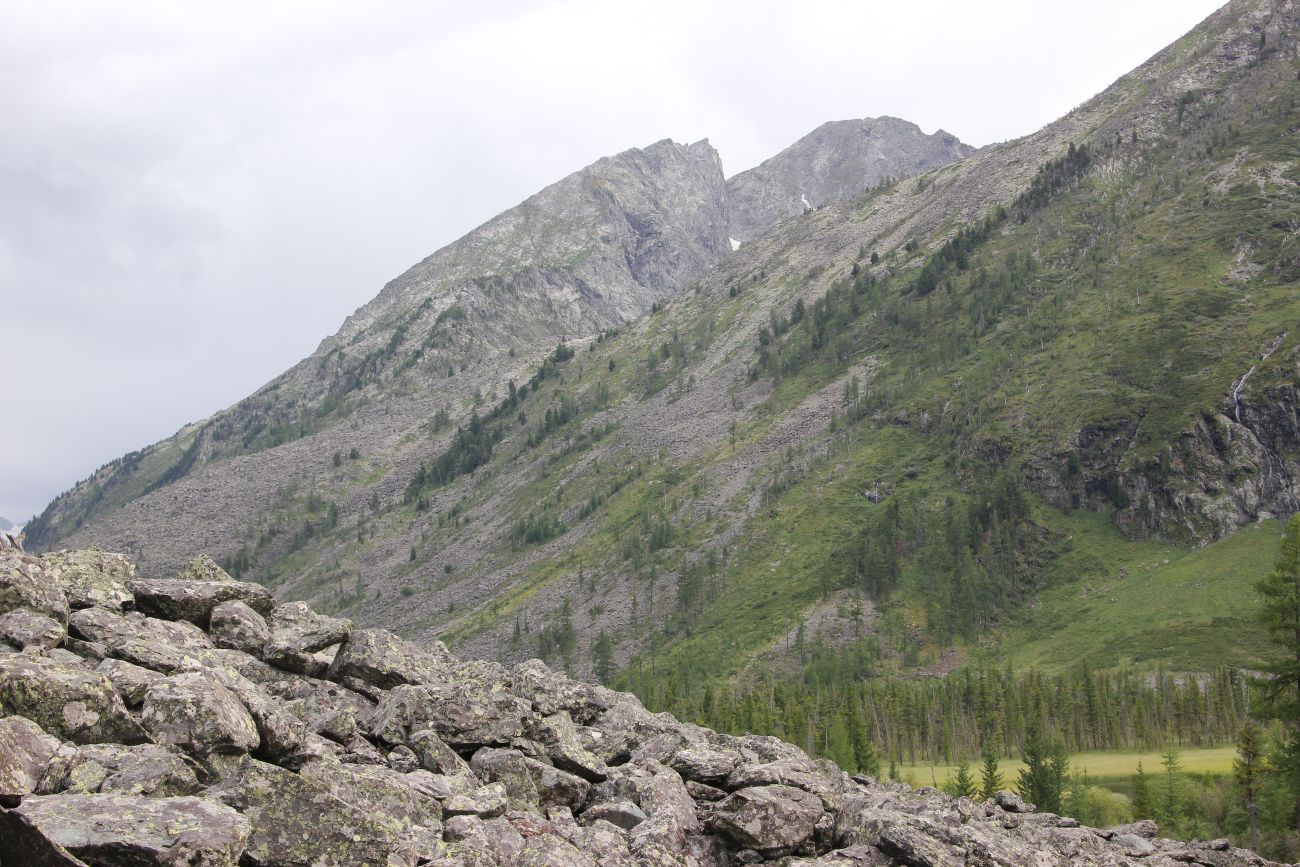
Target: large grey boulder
194	712
144	769
23	628
768	817
184	599
131	681
461	714
25	752
76	704
25	584
129	831
92	578
301	822
382	659
237	626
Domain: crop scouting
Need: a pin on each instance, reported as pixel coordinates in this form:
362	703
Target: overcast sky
193	195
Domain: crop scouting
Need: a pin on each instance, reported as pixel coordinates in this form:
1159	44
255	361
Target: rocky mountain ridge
587	254
835	162
193	720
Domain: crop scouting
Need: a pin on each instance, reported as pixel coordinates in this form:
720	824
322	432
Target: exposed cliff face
193	721
835	162
1229	469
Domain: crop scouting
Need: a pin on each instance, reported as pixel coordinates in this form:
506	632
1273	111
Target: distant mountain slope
877	417
836	161
589	253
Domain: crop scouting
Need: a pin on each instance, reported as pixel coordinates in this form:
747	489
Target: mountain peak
836	161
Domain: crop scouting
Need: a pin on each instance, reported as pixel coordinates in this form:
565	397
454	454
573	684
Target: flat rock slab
79	705
92	578
131	831
19	834
182	599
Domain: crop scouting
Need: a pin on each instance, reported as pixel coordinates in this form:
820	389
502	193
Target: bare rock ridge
183	721
833	163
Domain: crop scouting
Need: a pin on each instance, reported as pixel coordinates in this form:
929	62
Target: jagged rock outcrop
446	763
833	163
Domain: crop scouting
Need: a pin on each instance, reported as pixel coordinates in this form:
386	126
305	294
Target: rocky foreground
196	721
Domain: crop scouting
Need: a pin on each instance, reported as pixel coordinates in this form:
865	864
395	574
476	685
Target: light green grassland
1144	604
1102	768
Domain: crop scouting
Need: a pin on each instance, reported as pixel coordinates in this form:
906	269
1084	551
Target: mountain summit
835	162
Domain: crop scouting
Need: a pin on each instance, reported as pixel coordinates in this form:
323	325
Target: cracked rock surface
222	730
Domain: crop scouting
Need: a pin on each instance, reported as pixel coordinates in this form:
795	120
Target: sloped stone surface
184	599
92	578
126	831
381	659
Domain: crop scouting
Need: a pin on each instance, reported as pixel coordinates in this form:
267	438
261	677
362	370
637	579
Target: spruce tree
963	784
990	777
1170	807
1142	806
1281	615
1246	771
1043	776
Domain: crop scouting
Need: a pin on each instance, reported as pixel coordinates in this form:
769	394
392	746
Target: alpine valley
886	440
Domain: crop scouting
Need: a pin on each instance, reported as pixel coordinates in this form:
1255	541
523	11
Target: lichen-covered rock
71	702
129	831
368	768
380	658
23	628
185	599
621	813
459	713
131	681
296	629
195	712
25	584
768	817
92	578
562	744
508	767
145	769
300	822
485	801
25	751
236	626
381	791
19	834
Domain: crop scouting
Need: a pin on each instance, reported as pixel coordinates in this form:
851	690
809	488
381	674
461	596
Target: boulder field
197	721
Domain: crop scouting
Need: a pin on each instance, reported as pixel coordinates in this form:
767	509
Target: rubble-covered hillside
195	721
